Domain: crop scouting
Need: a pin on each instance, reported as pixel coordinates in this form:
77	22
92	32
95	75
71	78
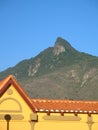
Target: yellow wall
13	104
55	121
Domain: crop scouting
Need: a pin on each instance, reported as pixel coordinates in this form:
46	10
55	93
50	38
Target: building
19	112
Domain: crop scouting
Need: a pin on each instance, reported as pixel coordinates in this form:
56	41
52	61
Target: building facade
18	111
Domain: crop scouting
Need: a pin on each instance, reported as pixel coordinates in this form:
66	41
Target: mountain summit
58	72
62	45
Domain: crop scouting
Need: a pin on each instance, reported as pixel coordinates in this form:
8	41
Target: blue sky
27	27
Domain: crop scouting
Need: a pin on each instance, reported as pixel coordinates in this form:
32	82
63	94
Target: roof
65	106
5	84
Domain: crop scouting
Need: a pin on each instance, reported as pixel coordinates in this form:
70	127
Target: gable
12	92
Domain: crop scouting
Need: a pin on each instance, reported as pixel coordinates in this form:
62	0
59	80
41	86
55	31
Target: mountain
59	72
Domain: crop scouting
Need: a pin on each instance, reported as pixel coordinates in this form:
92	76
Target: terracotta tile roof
65	106
5	84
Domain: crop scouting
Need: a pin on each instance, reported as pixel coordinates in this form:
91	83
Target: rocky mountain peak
62	45
58	49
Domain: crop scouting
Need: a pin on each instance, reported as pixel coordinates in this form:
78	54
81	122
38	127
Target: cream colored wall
13	104
66	122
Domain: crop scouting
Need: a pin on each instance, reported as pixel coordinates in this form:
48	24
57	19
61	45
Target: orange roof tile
5	84
70	106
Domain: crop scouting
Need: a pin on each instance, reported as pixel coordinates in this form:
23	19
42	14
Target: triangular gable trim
5	84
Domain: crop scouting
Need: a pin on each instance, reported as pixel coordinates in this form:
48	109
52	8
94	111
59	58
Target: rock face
88	75
33	70
58	49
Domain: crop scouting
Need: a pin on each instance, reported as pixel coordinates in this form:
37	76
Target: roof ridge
63	100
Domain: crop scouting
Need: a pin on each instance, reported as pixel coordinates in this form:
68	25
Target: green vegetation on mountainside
58	72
